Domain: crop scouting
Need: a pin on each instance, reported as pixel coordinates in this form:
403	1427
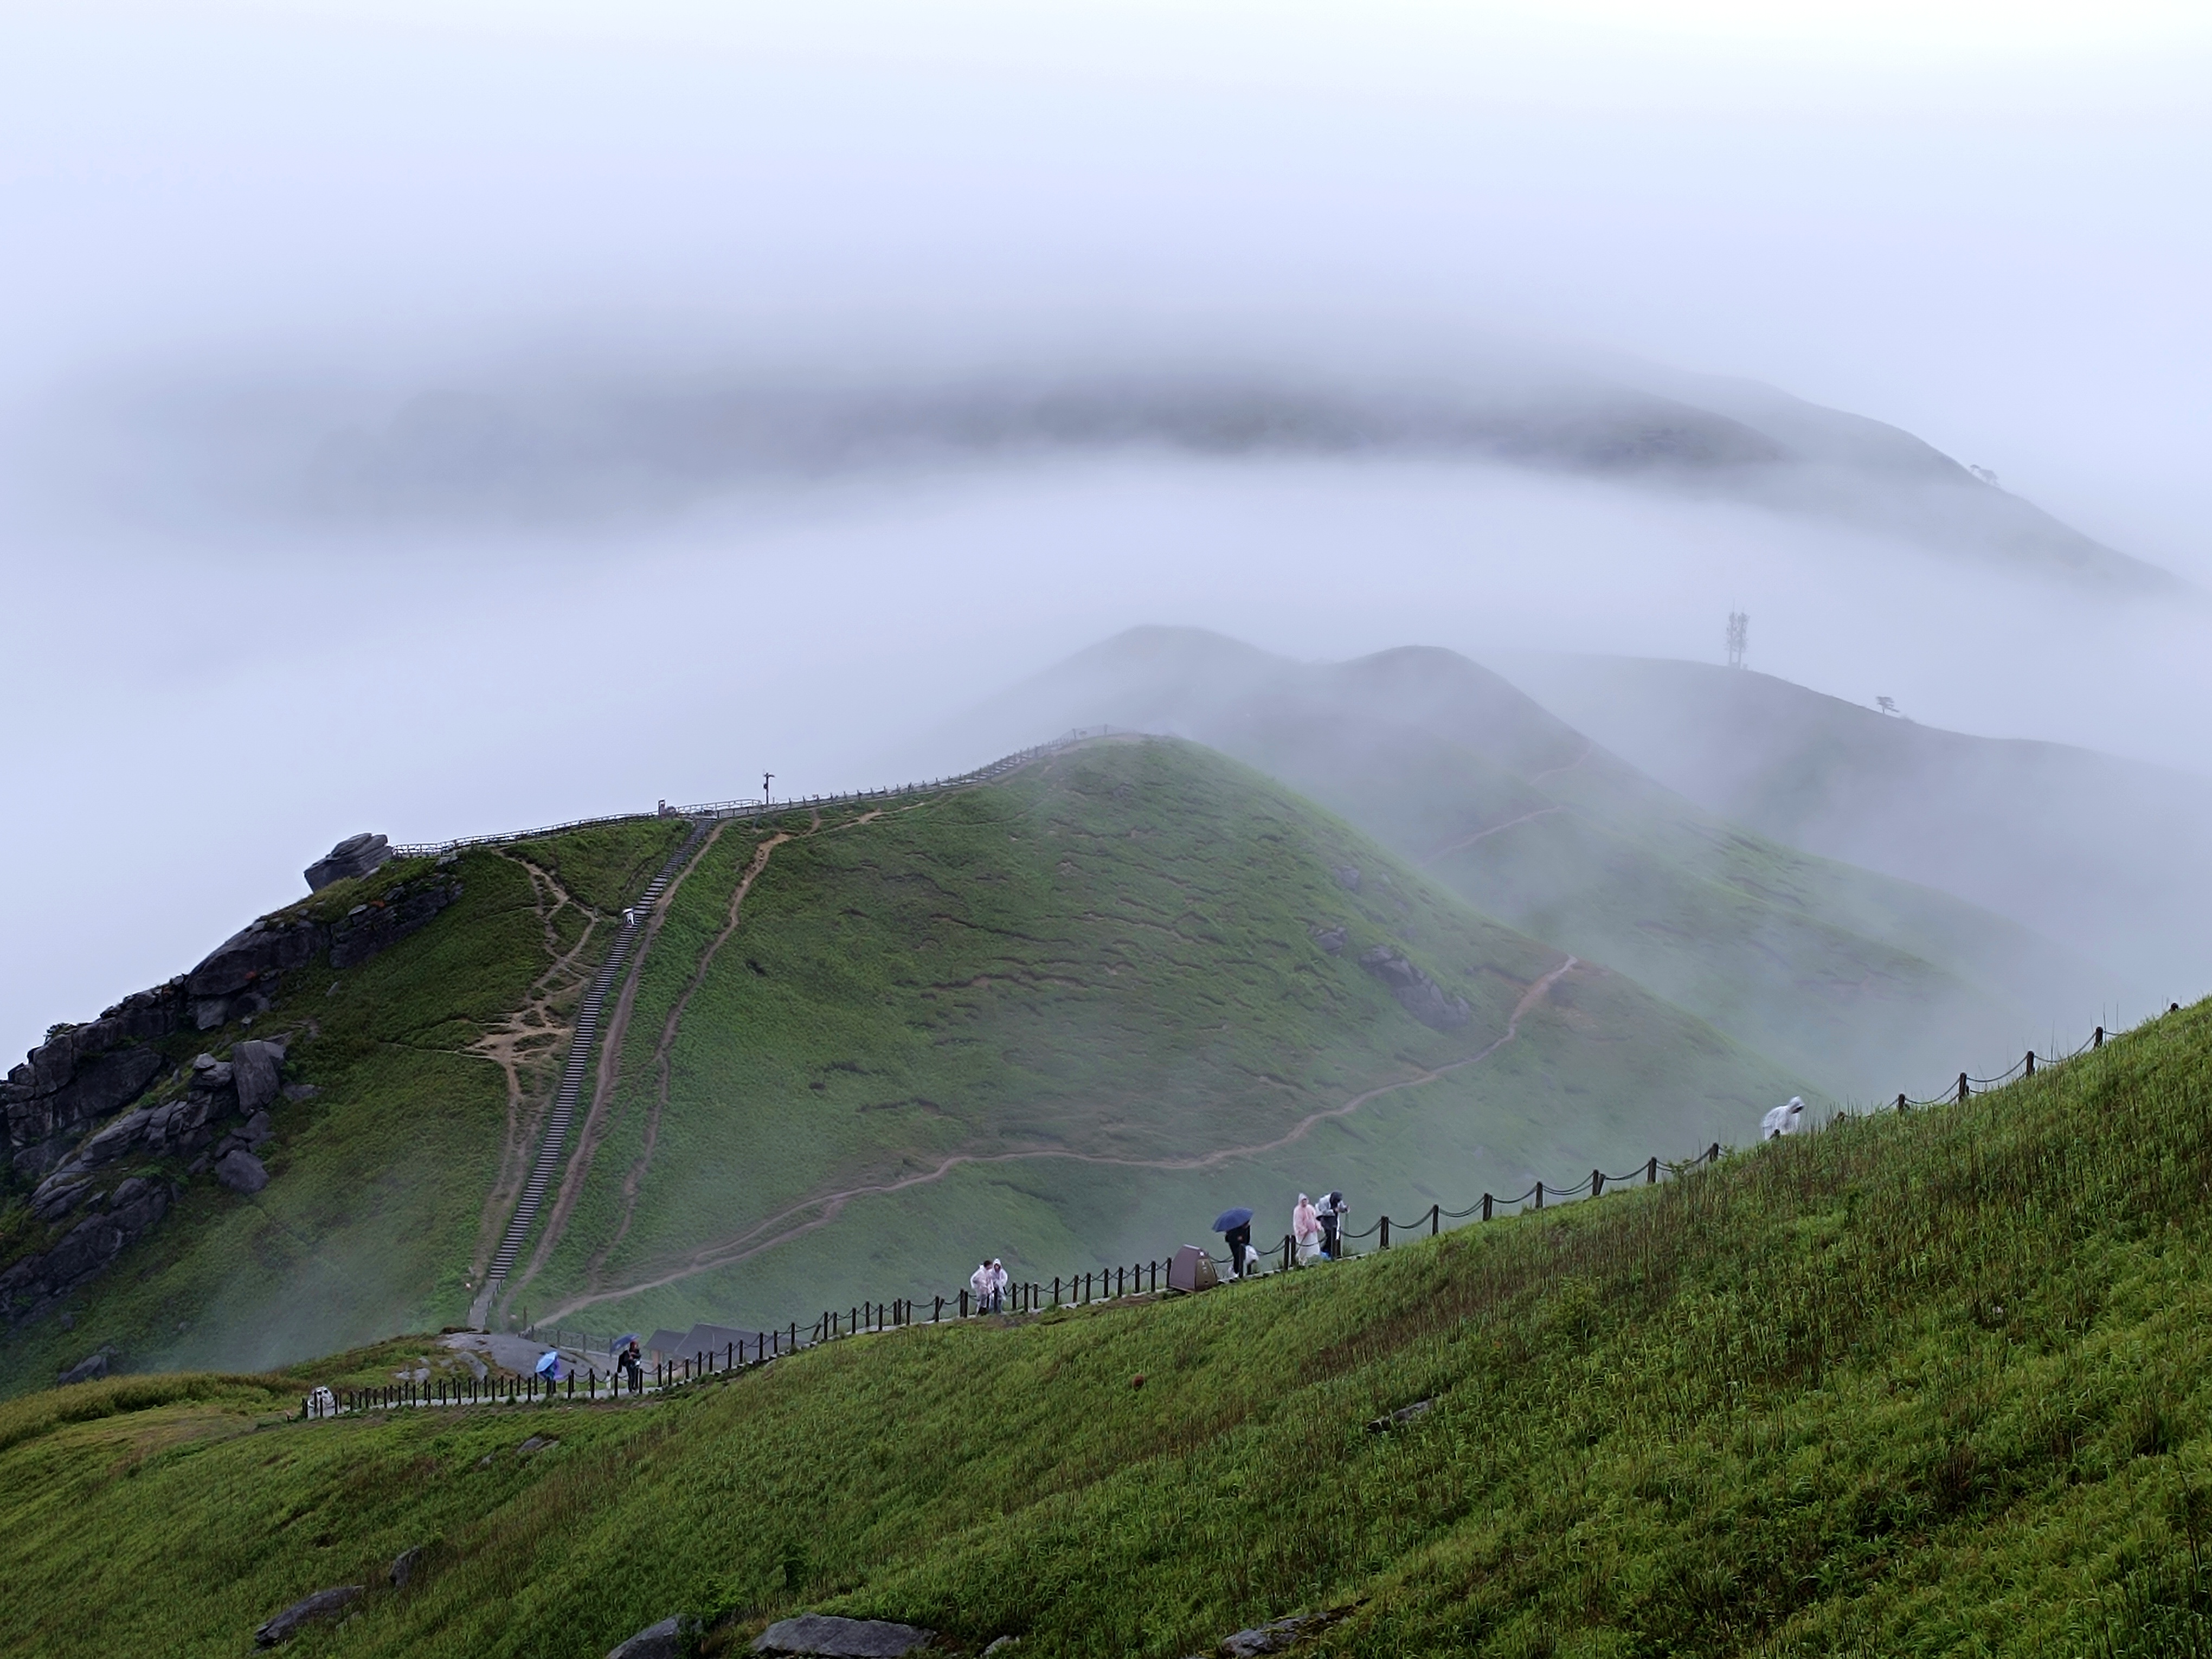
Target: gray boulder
1416	993
356	856
323	1604
666	1640
405	1565
1347	876
257	1073
1330	939
92	1366
842	1638
240	1171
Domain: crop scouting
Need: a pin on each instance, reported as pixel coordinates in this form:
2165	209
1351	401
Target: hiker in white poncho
979	1286
1305	1229
1785	1119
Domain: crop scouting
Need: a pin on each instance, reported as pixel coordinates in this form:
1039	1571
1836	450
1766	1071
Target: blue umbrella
1228	1218
549	1363
623	1341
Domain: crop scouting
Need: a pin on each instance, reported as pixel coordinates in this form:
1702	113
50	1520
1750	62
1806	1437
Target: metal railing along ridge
754	807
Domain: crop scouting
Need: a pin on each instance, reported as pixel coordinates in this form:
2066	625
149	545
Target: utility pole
1739	632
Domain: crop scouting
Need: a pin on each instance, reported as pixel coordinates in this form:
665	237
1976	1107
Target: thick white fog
417	422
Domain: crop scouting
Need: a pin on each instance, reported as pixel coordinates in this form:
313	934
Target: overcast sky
234	230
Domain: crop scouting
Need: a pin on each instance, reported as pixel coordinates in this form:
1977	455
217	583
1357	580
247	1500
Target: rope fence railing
1091	1286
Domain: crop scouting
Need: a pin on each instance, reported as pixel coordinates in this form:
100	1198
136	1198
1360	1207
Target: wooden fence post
2098	1041
1386	1232
1713	1153
1962	1086
1436	1220
1597	1183
1539	1194
2031	1062
1485	1207
1651	1172
1900	1102
963	1304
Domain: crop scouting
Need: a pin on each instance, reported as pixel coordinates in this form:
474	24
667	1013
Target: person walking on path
999	1282
1305	1230
633	1363
979	1286
1330	1214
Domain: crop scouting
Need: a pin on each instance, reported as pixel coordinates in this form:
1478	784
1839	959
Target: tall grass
1919	1385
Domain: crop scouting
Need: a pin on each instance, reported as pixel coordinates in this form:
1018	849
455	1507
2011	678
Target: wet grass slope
1925	1385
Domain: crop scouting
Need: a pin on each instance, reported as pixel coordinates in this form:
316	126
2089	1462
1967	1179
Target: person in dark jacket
633	1363
1331	1211
1239	1241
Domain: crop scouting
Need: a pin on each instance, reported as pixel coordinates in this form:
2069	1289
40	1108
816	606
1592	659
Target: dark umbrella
1228	1218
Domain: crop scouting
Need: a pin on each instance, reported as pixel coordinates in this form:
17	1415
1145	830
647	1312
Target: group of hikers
1316	1233
987	1283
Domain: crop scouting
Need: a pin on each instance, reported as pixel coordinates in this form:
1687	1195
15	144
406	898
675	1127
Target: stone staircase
573	1074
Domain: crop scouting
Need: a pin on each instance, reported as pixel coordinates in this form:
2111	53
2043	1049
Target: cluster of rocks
1416	994
237	1091
112	1222
83	1073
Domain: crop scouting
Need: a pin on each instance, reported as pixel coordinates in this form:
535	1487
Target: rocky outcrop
90	1369
112	1223
323	1604
842	1638
356	856
382	923
82	1074
1331	939
234	981
669	1639
240	1171
1416	994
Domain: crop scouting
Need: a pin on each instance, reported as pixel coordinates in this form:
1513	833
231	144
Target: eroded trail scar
610	1069
529	1041
635	1176
826	1206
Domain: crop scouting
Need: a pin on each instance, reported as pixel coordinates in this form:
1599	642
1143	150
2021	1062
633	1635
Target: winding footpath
827	1206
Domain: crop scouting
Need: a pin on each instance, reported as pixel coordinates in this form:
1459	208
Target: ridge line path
1542	811
1590	748
730	1252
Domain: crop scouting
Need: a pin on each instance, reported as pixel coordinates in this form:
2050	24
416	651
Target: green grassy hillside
431	1063
1866	983
1928	1385
1065	1020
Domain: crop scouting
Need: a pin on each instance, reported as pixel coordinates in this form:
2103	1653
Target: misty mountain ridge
551	447
2103	852
1866	983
